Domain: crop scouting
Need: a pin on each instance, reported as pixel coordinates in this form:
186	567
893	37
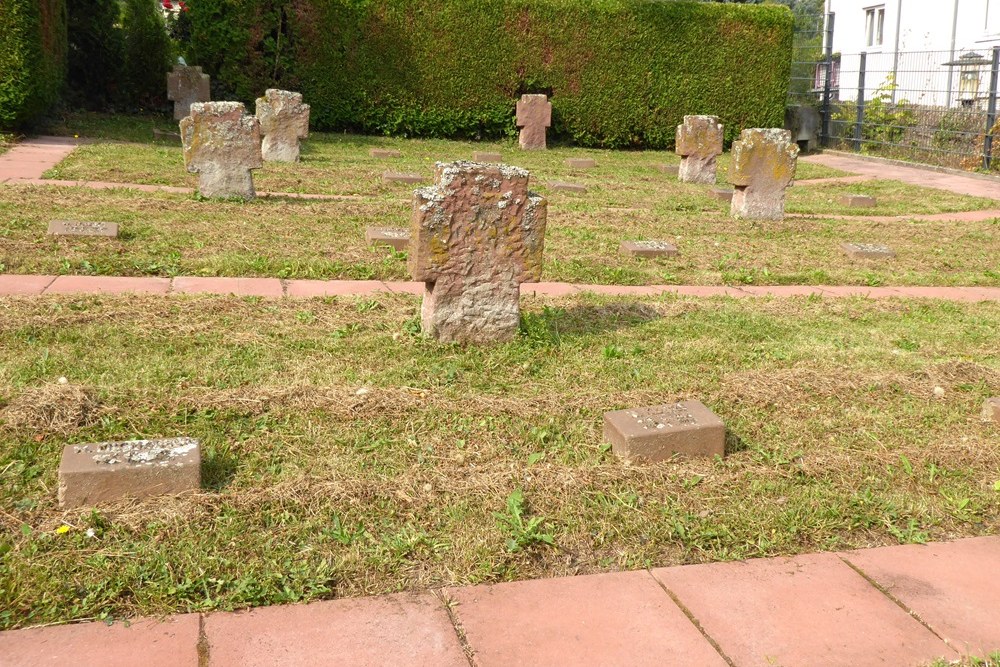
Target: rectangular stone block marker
763	166
867	251
534	116
858	201
699	143
384	153
648	249
396	177
476	236
581	163
82	228
722	194
105	471
486	157
669	169
185	86
560	186
991	409
658	432
222	145
399	239
284	119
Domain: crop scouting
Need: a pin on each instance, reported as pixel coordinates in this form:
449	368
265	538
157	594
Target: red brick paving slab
951	586
950	293
310	288
623	290
410	287
170	643
270	287
784	290
549	289
809	610
14	285
107	285
605	619
705	290
392	630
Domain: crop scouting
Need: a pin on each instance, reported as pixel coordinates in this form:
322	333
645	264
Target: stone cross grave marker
284	119
82	228
105	471
476	235
534	116
658	432
222	146
185	86
699	143
763	166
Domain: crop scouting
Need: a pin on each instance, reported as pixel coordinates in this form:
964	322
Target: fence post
824	131
991	110
861	103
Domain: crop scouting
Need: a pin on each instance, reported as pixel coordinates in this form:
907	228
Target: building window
874	22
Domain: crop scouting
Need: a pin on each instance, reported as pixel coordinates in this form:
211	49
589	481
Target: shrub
147	54
32	59
95	53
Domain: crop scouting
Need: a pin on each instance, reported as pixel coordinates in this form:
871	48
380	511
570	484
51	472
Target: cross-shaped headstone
534	115
699	142
475	237
185	86
763	166
221	145
284	119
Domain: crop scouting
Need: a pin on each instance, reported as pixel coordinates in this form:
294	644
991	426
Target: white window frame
874	26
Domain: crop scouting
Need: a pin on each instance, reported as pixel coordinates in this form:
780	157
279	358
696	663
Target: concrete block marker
384	153
722	194
581	163
104	471
991	409
658	432
480	156
648	248
560	186
867	251
398	238
396	177
858	201
82	228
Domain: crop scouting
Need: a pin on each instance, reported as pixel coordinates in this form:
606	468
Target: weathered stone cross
763	166
699	142
476	236
185	86
284	119
534	115
221	145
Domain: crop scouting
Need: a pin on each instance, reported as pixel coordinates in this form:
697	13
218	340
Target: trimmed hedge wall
32	59
620	72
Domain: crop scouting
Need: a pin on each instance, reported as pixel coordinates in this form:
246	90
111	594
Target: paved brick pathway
900	605
33	157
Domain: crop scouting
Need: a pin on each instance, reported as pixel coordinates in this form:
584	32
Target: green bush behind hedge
620	72
32	58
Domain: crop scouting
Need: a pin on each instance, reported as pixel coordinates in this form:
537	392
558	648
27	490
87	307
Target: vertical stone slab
763	166
284	119
222	146
476	235
185	86
534	116
699	143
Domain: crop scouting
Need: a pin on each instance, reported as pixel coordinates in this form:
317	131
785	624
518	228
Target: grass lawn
314	489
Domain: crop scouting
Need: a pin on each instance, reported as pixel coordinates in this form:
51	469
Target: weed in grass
522	532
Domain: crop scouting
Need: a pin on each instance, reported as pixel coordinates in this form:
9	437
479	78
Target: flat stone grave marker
399	239
396	177
722	194
163	134
858	201
385	153
222	145
991	409
104	471
284	120
763	165
82	228
699	143
658	432
560	186
669	169
867	250
185	86
581	163
648	248
534	116
476	235
479	156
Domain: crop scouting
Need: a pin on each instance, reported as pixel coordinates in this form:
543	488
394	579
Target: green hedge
620	72
32	59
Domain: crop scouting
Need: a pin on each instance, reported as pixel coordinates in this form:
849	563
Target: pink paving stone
407	287
623	290
606	619
705	290
107	285
402	629
951	586
269	287
14	285
782	290
312	288
945	293
809	610
549	289
170	643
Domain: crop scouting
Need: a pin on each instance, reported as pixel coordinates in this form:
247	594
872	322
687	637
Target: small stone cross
763	166
284	119
534	115
699	142
476	236
185	86
221	145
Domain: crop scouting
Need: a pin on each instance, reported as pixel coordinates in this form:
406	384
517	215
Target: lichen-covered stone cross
185	86
221	145
284	119
534	115
763	166
699	143
475	237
